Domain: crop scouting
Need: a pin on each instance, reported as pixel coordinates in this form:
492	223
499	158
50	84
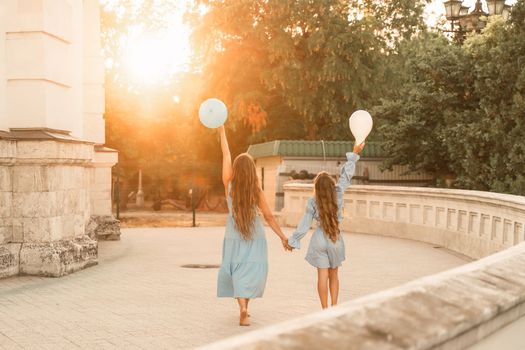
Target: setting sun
151	58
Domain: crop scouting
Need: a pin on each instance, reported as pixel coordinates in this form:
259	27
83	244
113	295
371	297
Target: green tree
435	86
492	147
151	130
300	66
461	109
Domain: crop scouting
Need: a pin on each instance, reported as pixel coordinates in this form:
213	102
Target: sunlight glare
153	58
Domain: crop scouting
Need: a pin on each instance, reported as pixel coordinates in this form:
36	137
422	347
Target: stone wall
472	223
270	178
44	207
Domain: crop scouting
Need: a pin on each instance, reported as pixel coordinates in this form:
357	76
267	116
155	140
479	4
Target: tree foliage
461	109
299	66
286	69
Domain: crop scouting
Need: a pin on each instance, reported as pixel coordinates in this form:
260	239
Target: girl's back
326	249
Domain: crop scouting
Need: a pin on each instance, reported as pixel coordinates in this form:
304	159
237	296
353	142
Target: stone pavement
139	296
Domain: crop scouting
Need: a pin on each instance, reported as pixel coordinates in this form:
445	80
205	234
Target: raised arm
303	227
226	159
347	172
270	219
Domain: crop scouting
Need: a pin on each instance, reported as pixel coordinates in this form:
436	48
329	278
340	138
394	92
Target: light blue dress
244	266
322	252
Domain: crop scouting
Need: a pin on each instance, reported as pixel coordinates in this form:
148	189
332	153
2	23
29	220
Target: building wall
55	186
50	54
3	78
270	166
44	64
93	75
93	111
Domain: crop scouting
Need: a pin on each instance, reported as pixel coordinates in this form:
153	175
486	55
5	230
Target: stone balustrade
472	223
450	310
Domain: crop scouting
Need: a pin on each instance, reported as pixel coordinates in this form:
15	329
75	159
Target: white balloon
213	113
360	123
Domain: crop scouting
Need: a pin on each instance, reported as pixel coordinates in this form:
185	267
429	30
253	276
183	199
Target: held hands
359	148
285	244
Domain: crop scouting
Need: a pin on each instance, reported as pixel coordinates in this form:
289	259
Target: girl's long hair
245	194
326	200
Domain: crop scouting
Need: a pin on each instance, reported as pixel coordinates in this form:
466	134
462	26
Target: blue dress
244	266
322	252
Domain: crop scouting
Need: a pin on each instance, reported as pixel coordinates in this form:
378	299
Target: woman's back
231	227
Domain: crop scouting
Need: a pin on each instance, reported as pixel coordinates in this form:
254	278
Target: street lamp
461	21
464	10
506	12
495	7
452	8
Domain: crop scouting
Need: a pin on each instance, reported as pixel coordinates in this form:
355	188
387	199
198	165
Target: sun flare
152	58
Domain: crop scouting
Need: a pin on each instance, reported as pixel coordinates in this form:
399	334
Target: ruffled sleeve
347	172
304	225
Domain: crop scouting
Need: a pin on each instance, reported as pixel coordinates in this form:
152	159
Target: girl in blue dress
244	253
326	251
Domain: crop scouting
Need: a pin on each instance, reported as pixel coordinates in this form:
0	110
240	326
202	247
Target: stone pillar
9	257
44	64
55	174
140	192
93	75
9	248
103	224
50	206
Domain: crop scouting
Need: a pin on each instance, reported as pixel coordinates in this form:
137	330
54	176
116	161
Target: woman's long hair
245	194
326	200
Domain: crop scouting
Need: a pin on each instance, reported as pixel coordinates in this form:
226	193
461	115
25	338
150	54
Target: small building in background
281	161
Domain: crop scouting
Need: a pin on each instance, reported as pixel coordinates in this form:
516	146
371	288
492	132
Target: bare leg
322	286
333	280
243	306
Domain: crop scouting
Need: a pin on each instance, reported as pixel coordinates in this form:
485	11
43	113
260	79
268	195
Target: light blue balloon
213	113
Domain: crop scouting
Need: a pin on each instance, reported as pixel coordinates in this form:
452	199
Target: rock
59	258
103	228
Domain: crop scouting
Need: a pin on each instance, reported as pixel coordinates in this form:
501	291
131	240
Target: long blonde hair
326	200
245	194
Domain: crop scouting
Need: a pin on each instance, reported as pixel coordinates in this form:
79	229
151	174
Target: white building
280	161
55	173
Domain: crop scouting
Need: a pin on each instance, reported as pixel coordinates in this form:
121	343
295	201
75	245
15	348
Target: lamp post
463	21
192	190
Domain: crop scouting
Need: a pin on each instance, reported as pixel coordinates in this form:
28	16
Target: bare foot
245	318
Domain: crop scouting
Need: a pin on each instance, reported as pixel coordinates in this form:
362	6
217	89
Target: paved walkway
139	296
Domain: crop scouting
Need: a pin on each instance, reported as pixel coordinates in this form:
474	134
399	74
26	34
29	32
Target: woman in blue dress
244	254
326	251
